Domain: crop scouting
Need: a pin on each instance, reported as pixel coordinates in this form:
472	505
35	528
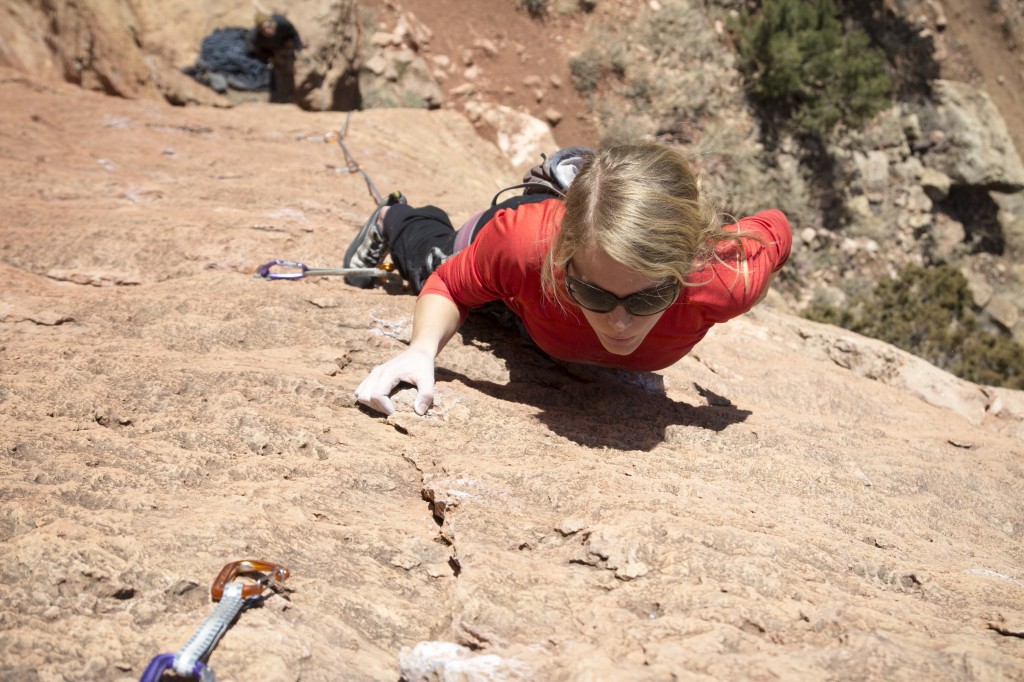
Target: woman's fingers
375	389
411	367
424	395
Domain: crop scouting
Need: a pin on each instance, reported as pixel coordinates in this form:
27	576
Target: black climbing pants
414	233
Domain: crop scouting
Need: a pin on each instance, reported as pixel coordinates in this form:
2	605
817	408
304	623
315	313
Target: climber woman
630	269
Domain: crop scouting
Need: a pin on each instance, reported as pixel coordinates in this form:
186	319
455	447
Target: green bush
927	312
806	69
587	70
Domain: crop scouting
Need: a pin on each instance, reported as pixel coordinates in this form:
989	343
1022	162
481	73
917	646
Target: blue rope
226	51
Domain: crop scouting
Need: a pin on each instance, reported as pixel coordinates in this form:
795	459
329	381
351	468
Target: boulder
522	137
976	148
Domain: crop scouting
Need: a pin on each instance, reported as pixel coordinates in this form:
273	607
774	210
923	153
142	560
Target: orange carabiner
235	568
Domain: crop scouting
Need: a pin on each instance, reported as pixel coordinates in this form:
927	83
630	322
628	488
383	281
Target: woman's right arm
435	321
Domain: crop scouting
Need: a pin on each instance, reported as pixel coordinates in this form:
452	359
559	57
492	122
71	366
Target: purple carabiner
265	273
155	670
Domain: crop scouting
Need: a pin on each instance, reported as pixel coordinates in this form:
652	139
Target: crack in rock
438	508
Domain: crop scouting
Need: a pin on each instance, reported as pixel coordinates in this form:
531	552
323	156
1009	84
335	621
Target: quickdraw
297	270
233	596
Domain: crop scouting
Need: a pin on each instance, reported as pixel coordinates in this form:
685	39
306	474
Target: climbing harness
296	270
233	596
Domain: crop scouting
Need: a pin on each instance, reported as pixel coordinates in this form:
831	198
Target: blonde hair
643	206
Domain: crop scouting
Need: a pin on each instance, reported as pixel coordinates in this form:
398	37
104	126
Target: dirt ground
790	501
989	56
995	57
977	44
524	73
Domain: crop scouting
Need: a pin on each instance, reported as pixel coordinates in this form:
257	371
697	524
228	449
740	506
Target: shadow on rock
591	406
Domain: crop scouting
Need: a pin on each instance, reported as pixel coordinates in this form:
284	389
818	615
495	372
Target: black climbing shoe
370	246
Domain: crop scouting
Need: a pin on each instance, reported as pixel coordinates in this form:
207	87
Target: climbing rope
297	270
233	596
353	165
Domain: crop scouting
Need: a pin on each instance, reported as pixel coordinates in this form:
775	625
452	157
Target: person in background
274	40
250	59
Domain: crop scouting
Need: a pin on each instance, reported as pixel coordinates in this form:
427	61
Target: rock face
978	149
790	500
134	49
395	74
93	45
936	183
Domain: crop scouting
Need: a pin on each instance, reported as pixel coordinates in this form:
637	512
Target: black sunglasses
642	303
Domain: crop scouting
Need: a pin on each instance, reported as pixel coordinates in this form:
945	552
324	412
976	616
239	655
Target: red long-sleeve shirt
504	263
